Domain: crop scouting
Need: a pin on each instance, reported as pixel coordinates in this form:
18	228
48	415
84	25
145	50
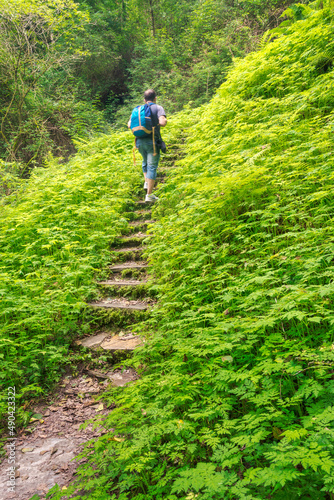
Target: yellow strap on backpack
154	151
134	153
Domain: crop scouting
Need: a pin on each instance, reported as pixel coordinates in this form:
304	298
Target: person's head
149	95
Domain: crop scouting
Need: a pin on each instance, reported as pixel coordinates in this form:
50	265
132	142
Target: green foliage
9	178
39	108
181	49
68	70
236	395
56	230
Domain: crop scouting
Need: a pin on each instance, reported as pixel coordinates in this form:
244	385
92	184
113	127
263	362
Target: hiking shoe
151	197
145	185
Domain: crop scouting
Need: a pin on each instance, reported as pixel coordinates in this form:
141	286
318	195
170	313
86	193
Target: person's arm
129	123
162	121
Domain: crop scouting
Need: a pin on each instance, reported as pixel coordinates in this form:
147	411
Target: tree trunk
123	13
152	17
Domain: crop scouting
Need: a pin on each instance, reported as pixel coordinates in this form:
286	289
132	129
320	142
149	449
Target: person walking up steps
145	123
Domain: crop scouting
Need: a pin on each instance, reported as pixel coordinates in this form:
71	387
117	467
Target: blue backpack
142	120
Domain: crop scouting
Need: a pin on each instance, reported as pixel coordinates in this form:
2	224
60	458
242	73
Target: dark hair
149	95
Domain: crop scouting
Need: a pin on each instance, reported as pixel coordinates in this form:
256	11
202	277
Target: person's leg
152	165
142	151
150	185
145	181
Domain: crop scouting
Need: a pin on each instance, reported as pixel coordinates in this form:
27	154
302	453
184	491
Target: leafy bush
9	178
41	106
67	68
236	395
184	50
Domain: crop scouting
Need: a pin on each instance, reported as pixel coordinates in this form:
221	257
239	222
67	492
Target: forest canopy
71	70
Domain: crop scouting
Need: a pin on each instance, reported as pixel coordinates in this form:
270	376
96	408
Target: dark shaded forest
72	70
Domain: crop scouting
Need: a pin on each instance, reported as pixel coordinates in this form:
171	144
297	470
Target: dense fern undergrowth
236	395
56	230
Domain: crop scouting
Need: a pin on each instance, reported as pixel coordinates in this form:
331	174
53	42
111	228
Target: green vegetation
236	395
182	49
68	70
9	180
39	108
55	236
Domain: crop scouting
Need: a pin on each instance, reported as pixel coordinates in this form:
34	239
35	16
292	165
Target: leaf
35	417
118	439
277	433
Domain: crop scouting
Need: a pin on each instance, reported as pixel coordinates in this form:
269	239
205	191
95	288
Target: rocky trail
45	449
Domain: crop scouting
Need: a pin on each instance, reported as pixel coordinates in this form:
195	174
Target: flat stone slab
44	450
93	341
143	203
143	213
116	343
139	224
138	236
138	250
132	240
119	378
128	265
122	282
135	305
38	472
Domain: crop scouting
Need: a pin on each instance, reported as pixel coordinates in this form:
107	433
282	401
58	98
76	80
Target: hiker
149	143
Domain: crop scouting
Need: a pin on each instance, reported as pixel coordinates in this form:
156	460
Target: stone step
143	203
140	223
132	240
142	214
118	377
139	235
92	341
117	343
134	252
128	265
131	305
109	341
122	283
139	214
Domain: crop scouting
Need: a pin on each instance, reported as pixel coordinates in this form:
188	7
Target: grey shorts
150	162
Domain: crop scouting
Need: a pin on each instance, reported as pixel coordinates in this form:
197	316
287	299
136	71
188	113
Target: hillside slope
55	237
236	396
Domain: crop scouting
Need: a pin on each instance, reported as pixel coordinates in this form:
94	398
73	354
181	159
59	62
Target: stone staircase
126	289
